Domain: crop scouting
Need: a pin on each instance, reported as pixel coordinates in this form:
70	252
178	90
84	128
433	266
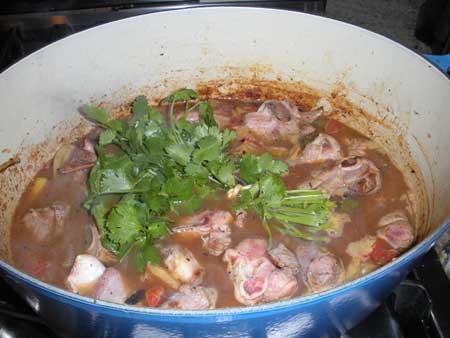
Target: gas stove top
417	308
26	26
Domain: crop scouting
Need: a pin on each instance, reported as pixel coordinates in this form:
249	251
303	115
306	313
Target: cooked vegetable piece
62	156
37	187
153	296
163	275
136	297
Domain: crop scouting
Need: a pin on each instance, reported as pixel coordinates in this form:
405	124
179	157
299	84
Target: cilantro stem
305	192
171	121
194	106
240	180
301	218
167	164
297	208
127	191
268	230
293	231
212	178
186	106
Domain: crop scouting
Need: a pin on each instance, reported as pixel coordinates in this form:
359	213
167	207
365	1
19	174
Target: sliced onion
38	185
163	275
62	156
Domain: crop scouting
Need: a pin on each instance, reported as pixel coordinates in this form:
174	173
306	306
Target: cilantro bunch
156	167
287	209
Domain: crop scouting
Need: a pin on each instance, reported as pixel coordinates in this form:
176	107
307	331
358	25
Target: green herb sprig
297	213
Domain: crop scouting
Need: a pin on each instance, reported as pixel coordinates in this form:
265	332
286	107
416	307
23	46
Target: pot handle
441	61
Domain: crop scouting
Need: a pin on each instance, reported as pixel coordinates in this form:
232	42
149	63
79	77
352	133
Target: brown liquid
60	253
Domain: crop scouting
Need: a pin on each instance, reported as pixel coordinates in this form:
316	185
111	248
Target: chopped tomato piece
382	253
153	296
333	127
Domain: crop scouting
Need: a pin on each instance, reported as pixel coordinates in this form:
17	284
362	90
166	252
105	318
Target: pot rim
417	250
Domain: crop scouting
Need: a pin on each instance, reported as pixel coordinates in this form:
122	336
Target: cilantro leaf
180	152
225	174
140	108
197	171
200	131
107	136
227	137
157	228
183	94
208	149
195	201
101	205
179	189
143	112
252	167
100	115
123	225
206	114
271	190
148	253
117	179
157	204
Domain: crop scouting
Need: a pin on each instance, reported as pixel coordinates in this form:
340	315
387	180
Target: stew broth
52	261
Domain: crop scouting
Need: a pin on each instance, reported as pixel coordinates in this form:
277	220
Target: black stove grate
417	308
